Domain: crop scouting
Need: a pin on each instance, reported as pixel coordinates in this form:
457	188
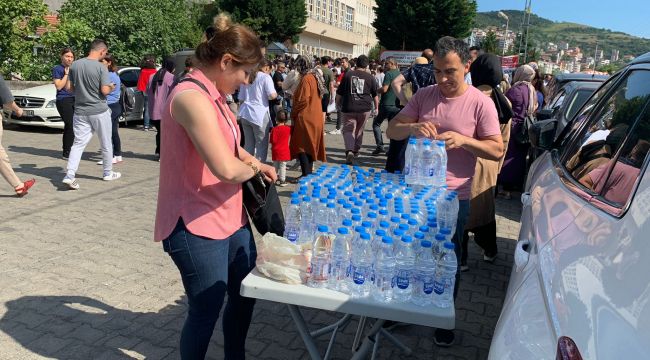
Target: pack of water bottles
425	162
374	235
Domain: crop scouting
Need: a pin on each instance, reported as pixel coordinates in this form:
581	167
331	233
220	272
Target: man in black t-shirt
355	97
276	104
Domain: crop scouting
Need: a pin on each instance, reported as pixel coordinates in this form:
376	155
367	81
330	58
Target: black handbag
522	137
260	197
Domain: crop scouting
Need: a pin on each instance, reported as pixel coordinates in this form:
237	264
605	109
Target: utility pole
525	24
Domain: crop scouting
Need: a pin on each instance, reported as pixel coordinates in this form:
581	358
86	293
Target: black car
567	102
560	80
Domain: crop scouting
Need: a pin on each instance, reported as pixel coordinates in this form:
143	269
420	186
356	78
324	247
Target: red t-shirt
279	140
143	80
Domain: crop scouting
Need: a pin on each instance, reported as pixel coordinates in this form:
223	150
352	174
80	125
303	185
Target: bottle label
431	172
402	280
439	287
319	270
359	276
292	235
427	287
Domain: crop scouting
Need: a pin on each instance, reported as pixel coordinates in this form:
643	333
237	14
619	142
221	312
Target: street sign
402	57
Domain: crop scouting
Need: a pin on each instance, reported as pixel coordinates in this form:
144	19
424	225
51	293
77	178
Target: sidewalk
81	277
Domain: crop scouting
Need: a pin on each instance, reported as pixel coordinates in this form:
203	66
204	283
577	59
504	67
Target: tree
272	20
18	25
417	25
134	28
374	52
71	33
490	44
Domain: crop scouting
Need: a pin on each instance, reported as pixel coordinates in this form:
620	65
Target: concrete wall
20	85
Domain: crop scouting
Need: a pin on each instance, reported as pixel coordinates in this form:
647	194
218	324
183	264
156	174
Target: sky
628	16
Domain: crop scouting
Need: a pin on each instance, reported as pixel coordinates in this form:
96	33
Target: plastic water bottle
418	238
445	278
384	271
405	261
376	240
341	251
438	246
332	216
411	162
441	169
306	221
292	221
425	269
428	164
320	258
361	265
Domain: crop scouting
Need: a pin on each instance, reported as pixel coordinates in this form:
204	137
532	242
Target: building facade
338	28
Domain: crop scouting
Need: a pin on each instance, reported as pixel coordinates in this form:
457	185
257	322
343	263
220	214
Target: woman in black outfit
64	98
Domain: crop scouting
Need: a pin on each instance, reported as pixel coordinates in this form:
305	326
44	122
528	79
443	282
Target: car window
615	180
130	77
557	100
579	98
609	131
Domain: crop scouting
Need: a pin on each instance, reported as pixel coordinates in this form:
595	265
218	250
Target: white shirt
256	99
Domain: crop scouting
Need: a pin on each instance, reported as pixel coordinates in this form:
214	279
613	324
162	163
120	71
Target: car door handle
522	254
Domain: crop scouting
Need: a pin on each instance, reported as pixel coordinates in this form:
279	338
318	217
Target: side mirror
542	134
544	114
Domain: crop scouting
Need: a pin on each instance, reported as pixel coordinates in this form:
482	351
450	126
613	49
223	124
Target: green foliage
490	44
18	24
417	25
71	33
134	28
585	37
610	68
272	20
374	52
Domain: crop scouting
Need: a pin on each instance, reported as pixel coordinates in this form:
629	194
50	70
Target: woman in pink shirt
200	217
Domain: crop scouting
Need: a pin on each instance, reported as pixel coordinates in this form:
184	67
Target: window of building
318	7
349	18
310	8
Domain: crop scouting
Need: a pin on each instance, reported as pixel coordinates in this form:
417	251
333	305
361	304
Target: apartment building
338	28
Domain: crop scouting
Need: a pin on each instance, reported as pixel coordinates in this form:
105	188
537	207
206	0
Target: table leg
304	332
359	333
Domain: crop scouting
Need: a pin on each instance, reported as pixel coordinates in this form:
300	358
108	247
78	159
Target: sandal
23	190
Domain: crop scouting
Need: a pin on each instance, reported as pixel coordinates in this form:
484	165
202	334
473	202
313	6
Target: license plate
25	113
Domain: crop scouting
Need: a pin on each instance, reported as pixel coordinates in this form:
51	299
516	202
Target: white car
580	286
39	102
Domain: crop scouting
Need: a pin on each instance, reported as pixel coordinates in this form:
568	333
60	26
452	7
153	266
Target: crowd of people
215	124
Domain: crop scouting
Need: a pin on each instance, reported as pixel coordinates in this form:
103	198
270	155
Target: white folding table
256	285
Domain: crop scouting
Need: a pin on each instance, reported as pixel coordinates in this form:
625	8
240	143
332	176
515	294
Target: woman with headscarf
486	76
523	98
307	142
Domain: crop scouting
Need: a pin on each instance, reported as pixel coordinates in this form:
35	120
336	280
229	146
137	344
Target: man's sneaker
281	183
335	132
443	337
489	259
349	158
117	159
379	150
146	128
72	183
114	175
101	162
356	154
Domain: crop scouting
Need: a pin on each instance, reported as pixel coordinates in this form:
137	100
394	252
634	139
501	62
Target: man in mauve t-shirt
462	117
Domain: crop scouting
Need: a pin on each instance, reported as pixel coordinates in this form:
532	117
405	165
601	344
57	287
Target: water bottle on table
425	269
411	162
445	278
341	251
320	258
405	261
384	271
361	265
292	221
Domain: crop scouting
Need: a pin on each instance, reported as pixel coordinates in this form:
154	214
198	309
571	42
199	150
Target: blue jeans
145	113
463	214
210	269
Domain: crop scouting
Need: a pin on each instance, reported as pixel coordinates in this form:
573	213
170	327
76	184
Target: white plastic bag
331	107
282	260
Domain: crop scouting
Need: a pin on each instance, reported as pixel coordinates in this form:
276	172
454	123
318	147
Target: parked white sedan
580	286
39	102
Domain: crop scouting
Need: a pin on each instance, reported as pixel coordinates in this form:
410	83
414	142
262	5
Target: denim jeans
210	269
463	214
145	113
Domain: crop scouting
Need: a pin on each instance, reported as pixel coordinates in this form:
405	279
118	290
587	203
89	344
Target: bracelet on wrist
255	169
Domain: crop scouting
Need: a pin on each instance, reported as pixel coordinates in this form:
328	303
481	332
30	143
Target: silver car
39	102
580	286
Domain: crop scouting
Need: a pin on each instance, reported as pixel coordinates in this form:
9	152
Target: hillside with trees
543	30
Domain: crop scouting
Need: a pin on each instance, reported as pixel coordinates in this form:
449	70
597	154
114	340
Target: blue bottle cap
419	235
407	239
398	233
424	228
412	222
356	217
323	200
449	245
380	232
359	229
403	227
372	215
343	230
322	228
365	236
366	224
387	240
331	206
306	199
383	212
425	244
394	219
384	224
347	222
440	237
355	211
406	216
445	231
347	206
295	201
295	195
